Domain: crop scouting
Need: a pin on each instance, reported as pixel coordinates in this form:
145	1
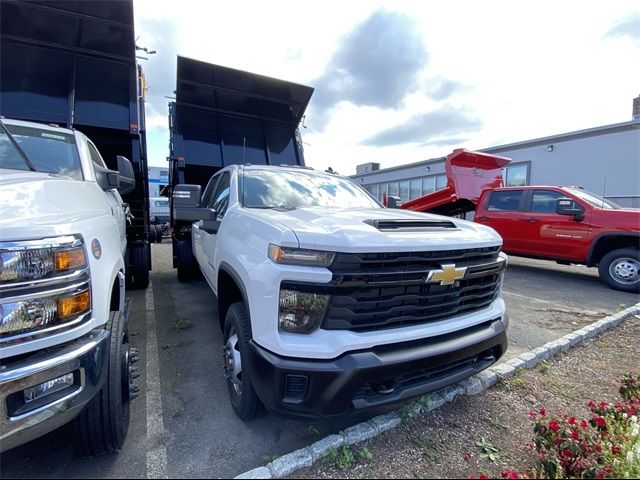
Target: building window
404	190
393	189
428	185
416	188
515	175
441	182
383	191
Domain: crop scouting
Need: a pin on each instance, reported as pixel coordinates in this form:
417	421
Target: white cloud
523	70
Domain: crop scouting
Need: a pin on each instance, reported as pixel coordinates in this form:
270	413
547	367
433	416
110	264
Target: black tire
157	233
103	424
138	271
244	400
620	269
153	234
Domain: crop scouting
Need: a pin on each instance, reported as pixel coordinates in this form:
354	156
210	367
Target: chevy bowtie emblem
447	275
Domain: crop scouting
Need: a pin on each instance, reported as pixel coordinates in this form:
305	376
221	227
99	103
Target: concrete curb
305	457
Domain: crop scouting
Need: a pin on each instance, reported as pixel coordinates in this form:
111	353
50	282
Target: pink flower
554	426
543	411
574	435
483	476
592	405
468	456
616	450
572	421
584	424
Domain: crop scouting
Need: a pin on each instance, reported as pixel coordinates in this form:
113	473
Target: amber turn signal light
70	259
74	305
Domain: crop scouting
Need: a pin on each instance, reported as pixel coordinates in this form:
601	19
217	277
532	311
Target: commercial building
604	160
158	179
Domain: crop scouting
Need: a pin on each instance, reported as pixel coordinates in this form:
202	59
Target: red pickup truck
565	224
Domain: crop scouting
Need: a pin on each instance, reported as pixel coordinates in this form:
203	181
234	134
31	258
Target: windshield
291	189
594	199
47	151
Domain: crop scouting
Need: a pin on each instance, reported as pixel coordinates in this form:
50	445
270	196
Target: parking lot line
528	297
157	451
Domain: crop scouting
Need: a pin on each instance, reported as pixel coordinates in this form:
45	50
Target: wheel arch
230	289
606	242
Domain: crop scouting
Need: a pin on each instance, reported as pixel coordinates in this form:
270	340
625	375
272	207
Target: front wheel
620	269
238	372
103	424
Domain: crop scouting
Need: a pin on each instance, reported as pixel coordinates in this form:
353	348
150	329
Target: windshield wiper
18	148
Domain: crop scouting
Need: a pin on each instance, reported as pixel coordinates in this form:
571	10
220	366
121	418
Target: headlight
299	256
301	312
41	259
20	315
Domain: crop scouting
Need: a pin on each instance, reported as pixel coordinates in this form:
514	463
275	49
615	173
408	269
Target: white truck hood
33	203
347	230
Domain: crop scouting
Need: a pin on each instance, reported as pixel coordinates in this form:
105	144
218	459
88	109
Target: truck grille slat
377	291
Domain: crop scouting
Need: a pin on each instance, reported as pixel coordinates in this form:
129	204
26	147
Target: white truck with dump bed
331	303
64	346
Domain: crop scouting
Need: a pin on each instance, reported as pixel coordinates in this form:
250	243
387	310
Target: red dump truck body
468	175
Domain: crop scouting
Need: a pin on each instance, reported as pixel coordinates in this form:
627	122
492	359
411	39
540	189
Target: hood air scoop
405	225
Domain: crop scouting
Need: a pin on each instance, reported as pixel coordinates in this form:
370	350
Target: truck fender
595	255
225	300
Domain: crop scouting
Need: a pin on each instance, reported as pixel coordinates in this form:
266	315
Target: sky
403	81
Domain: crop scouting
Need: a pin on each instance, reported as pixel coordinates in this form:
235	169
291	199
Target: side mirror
566	206
123	180
186	207
126	177
393	202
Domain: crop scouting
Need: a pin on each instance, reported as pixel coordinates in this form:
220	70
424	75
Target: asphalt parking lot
182	424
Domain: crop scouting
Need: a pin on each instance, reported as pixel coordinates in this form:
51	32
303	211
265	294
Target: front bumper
20	422
296	387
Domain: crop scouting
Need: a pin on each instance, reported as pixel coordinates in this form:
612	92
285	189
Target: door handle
482	217
531	219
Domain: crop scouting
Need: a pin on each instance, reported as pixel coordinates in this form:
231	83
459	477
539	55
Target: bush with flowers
604	445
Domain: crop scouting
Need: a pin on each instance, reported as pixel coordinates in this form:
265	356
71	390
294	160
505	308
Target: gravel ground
434	445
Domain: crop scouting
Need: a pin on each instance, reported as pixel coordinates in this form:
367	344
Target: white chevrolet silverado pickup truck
64	351
331	303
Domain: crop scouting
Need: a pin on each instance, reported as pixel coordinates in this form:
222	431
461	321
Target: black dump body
222	116
73	63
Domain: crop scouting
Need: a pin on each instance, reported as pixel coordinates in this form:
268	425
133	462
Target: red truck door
503	210
547	234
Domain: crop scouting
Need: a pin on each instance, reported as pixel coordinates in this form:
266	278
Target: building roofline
562	137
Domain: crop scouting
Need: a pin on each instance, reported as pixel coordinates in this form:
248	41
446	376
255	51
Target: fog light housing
301	312
47	388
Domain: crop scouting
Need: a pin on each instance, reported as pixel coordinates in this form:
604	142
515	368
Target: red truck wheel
620	269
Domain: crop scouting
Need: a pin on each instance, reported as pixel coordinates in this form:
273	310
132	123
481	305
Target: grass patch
180	324
269	458
544	367
344	457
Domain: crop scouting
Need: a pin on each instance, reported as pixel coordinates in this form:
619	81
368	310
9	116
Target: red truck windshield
594	199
